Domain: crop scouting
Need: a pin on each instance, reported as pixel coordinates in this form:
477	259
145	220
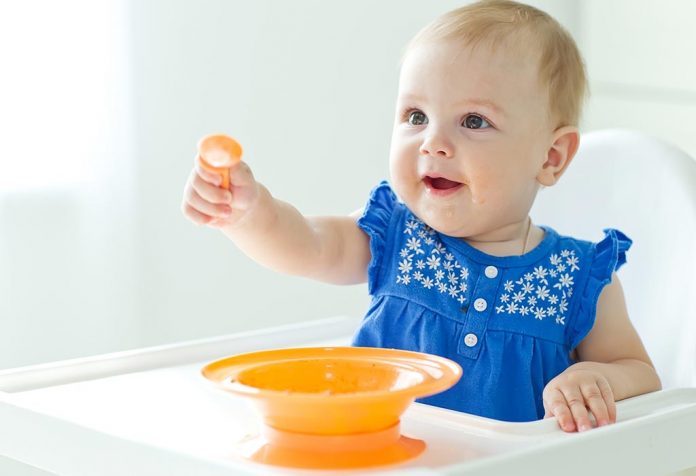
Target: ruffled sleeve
609	256
375	222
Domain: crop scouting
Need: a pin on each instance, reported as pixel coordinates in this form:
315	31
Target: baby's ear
565	141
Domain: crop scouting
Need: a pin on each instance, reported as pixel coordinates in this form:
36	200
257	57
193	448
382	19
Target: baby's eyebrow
464	102
482	102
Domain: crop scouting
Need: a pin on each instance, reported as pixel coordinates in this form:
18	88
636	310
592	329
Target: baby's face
470	136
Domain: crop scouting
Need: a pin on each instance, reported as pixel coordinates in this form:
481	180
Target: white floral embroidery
414	244
565	281
433	262
540	273
555	260
544	292
437	269
563	306
405	266
572	261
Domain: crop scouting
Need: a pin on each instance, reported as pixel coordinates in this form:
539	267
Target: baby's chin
448	221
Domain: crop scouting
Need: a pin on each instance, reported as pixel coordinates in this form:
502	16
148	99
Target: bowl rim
218	372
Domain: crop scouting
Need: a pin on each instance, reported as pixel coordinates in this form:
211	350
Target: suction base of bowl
299	450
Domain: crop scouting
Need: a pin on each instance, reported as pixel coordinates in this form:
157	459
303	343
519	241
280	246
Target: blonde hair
561	67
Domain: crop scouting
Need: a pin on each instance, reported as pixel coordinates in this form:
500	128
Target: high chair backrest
647	189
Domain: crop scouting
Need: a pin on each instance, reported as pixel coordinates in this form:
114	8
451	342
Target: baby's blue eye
417	118
474	121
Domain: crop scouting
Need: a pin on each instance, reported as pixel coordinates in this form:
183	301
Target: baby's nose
437	145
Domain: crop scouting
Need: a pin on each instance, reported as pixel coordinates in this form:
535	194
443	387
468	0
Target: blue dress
510	322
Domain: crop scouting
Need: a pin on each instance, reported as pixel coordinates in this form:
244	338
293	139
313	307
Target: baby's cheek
484	190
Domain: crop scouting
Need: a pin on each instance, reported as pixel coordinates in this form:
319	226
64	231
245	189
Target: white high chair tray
150	412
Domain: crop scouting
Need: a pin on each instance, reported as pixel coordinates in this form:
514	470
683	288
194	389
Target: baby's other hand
206	203
571	394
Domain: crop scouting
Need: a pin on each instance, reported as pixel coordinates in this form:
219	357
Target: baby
488	107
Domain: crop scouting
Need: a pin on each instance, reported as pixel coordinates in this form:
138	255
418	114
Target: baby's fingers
608	396
194	215
576	402
199	204
555	404
595	402
206	190
207	175
243	185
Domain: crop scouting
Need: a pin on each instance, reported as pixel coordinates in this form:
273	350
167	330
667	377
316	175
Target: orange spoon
217	153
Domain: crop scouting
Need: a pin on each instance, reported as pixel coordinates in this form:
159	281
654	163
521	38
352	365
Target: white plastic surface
150	412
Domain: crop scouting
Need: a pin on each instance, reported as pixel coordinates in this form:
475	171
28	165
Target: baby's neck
514	240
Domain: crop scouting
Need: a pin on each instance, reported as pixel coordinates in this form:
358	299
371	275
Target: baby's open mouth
440	183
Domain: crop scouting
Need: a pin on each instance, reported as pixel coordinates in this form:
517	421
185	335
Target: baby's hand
206	203
571	394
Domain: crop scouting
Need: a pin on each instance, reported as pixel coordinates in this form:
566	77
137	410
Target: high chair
149	411
647	189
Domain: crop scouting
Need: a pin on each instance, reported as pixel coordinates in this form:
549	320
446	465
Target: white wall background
308	87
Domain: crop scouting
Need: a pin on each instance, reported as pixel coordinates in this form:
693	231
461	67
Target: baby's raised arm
274	233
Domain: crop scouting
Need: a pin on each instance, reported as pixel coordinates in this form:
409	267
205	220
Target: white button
491	272
480	304
470	340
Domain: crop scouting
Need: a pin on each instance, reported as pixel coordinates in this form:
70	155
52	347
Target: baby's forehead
482	64
460	74
515	50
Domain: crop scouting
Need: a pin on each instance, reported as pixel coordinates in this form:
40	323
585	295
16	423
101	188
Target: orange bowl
333	390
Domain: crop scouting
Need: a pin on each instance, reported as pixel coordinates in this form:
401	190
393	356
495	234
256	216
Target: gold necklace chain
526	240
